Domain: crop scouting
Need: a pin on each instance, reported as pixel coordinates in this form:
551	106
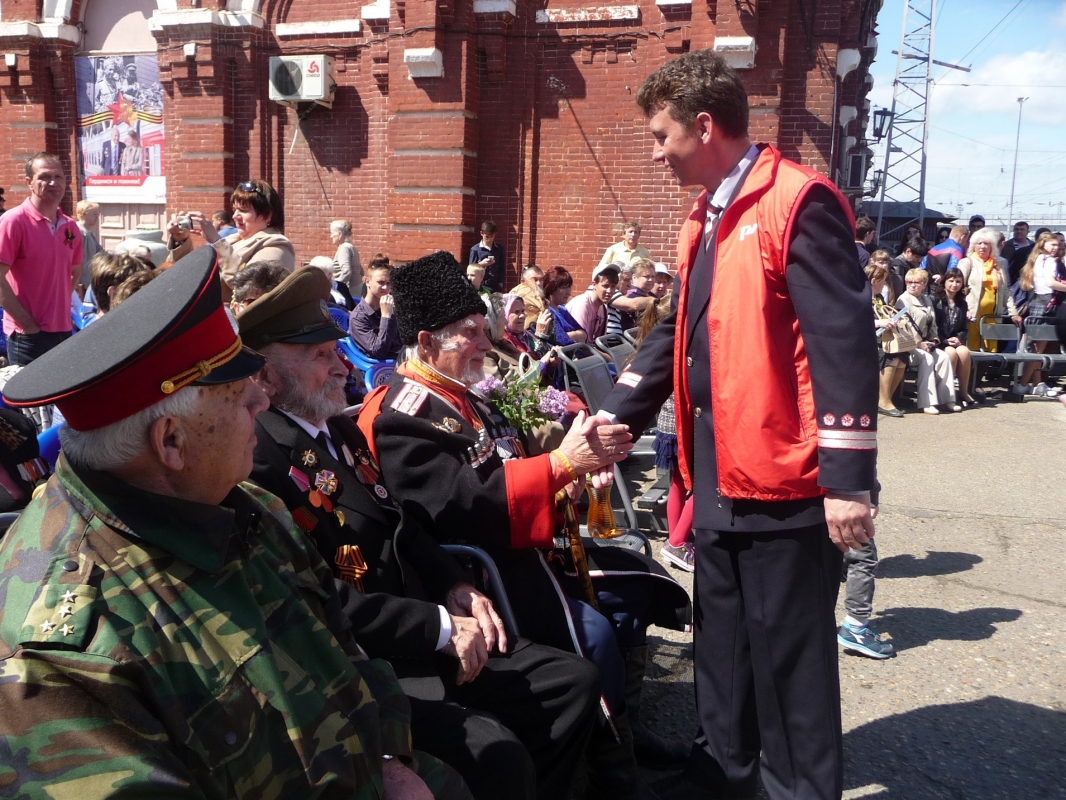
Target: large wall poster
120	129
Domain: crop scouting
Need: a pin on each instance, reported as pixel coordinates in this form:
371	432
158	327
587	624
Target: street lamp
882	119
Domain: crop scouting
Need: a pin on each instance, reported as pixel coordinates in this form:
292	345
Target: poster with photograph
120	129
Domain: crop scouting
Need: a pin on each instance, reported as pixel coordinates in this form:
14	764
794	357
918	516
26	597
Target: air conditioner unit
302	79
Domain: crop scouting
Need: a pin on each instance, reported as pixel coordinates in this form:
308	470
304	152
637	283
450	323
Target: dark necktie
323	441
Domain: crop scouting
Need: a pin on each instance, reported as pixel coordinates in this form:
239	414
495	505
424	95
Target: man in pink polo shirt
40	261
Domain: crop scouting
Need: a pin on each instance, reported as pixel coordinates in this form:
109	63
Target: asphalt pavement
971	590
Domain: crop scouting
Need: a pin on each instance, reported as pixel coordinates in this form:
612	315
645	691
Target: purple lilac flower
553	402
490	384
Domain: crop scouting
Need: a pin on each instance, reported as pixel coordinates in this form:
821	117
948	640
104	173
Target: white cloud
993	88
1059	17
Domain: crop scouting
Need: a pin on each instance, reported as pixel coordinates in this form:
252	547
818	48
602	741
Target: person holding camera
488	253
259	219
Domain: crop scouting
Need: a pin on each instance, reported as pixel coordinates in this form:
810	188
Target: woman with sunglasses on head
259	219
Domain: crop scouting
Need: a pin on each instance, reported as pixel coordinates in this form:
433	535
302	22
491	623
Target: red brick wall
532	125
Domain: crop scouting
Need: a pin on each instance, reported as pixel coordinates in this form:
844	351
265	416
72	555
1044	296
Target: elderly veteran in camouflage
164	629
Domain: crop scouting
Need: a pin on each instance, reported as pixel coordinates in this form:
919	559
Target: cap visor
246	362
326	333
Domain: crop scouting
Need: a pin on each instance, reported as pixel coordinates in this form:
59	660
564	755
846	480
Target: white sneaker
1019	389
930	410
1040	390
956	407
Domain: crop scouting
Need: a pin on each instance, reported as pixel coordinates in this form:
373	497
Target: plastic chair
379	374
494	582
630	336
48	444
374	372
620	349
340	317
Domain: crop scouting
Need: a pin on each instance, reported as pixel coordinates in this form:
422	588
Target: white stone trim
424	62
496	7
378	10
594	14
56	9
738	51
40	30
188	17
332	26
661	3
206	121
432	190
243	5
435	151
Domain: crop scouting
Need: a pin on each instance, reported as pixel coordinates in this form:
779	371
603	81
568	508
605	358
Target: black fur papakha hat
430	293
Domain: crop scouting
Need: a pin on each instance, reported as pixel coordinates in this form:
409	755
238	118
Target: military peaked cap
172	333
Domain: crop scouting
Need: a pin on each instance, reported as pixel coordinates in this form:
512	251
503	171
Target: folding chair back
587	373
998	329
631	336
618	348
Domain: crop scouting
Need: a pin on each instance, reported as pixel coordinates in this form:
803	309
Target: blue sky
972	128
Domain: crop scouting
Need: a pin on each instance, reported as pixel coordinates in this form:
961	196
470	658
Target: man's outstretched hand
603	476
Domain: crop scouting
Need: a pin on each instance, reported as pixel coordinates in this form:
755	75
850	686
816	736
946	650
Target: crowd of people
231	587
929	301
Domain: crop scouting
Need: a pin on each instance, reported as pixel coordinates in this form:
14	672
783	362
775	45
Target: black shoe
655	752
889	412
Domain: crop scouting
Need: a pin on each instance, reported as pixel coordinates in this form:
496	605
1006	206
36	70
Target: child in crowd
856	635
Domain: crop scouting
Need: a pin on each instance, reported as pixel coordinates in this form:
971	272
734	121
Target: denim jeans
22	348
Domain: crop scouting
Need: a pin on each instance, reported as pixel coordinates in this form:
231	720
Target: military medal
326	482
380	491
314	496
350	565
309	459
340	517
449	425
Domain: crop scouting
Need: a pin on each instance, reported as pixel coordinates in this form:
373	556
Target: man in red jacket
772	362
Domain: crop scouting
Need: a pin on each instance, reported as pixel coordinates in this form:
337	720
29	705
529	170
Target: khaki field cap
295	312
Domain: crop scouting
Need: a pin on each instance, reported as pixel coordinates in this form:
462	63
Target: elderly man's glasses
250	186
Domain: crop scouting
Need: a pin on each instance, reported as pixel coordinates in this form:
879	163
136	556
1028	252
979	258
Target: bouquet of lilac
524	403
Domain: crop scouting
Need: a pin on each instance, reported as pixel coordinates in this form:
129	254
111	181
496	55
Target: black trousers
766	664
523	722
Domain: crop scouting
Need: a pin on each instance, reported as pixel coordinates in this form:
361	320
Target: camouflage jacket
154	647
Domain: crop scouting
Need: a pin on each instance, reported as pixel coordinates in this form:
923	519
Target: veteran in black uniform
457	467
511	716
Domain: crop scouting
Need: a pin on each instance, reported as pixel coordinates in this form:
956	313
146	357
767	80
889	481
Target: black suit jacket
111	161
408	574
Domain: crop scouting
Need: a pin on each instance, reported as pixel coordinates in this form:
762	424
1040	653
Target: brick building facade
446	112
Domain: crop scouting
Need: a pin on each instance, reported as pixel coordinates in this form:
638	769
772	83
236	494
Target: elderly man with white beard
511	716
456	466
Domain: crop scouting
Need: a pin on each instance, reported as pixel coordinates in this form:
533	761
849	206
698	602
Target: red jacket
766	432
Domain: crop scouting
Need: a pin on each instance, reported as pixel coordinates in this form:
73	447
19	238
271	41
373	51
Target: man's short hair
262	275
110	269
531	271
488	226
477	268
864	226
1021	222
223	216
917	246
958	233
133	284
632	225
694	83
44	155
